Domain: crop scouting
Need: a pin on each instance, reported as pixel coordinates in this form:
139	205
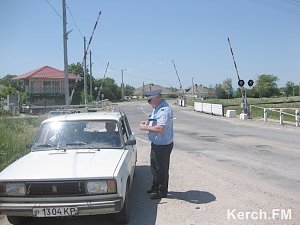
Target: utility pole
193	87
65	38
143	89
91	86
122	85
84	73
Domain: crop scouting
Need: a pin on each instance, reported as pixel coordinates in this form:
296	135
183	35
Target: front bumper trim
84	208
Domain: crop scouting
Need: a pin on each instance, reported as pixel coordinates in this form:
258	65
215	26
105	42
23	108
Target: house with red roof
45	85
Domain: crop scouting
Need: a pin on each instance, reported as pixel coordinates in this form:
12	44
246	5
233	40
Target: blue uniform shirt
162	115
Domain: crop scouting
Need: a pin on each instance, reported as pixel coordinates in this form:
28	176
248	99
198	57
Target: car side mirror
131	141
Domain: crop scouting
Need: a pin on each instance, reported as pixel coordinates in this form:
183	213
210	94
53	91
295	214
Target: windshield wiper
45	145
77	143
81	143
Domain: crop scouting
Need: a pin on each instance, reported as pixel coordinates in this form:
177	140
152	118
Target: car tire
16	220
123	216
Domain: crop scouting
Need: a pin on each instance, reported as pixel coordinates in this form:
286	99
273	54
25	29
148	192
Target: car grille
69	188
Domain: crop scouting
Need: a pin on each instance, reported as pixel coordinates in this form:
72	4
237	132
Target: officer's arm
155	128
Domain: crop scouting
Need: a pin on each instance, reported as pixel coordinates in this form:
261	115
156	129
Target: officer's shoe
151	191
158	195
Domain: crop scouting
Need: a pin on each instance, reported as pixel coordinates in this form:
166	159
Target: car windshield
78	135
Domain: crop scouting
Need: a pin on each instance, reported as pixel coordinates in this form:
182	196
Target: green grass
15	133
235	104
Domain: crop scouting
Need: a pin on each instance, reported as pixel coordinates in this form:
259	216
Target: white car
79	164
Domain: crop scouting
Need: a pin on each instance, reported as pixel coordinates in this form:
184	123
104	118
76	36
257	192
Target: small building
199	91
139	92
45	85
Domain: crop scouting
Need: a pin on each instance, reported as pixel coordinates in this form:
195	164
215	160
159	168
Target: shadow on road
193	196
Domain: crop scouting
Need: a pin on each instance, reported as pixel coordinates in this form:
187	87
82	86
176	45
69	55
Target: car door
127	134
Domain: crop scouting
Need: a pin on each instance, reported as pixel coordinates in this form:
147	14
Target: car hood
72	164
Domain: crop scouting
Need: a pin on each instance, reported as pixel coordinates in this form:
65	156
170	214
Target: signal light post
241	83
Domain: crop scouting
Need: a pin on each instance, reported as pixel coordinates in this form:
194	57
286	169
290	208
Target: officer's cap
152	94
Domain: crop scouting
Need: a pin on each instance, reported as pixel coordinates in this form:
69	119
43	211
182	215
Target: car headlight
12	189
101	187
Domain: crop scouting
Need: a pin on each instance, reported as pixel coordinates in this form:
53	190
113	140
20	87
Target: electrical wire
278	6
54	9
74	20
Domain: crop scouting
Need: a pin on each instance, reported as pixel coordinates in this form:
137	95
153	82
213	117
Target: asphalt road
223	171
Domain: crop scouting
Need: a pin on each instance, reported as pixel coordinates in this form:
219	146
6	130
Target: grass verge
15	133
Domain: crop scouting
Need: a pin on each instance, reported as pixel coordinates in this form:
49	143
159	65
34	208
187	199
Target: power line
291	2
278	6
148	79
74	21
54	9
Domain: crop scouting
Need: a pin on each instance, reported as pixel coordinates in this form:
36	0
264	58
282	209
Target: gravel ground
204	191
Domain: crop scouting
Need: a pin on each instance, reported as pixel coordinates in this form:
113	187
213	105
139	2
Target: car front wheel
123	216
16	220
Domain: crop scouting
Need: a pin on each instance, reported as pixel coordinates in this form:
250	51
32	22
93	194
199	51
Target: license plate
55	211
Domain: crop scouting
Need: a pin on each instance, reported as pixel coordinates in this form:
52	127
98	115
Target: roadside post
297	118
265	115
281	117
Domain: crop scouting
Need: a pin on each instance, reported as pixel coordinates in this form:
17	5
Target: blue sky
144	37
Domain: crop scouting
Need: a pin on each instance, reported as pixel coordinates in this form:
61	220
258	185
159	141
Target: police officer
160	128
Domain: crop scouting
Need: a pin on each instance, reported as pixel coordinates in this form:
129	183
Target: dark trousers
160	161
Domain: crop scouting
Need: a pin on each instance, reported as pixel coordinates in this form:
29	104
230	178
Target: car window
126	131
78	134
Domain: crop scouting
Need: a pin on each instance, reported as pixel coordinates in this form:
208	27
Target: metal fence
281	114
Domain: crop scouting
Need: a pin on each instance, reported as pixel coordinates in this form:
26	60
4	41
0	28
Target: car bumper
84	208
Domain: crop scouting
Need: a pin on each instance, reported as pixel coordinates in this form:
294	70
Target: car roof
100	115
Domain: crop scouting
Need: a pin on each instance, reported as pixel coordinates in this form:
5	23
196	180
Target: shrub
15	134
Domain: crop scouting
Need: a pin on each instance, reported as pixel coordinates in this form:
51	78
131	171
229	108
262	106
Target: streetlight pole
122	85
193	87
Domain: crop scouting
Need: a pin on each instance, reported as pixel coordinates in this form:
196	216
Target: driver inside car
111	137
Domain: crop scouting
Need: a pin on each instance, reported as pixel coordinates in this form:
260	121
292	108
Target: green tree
110	89
8	91
220	92
227	87
266	85
289	88
76	69
297	90
128	90
24	97
252	92
9	82
76	86
238	93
